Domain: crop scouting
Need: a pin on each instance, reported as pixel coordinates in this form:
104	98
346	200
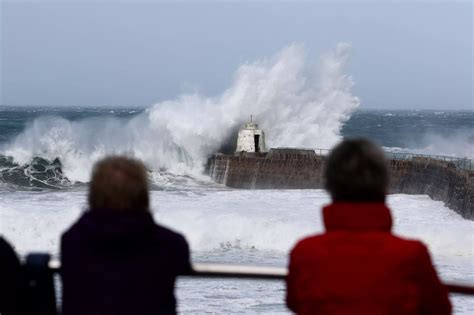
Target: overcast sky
404	55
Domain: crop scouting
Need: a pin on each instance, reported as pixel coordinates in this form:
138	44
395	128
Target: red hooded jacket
359	267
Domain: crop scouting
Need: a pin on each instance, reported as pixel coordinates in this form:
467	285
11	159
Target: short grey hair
356	170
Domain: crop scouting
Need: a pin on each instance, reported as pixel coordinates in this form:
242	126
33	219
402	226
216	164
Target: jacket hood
110	231
371	216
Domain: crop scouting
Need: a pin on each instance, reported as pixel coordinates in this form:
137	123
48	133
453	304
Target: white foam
245	227
297	103
271	220
457	145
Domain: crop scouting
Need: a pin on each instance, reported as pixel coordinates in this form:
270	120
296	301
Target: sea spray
297	103
295	106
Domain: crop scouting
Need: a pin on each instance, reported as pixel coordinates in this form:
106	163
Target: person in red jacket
358	266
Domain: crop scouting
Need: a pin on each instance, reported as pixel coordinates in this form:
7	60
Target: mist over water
297	103
447	133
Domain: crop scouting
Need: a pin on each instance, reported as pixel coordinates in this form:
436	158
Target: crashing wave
39	173
298	104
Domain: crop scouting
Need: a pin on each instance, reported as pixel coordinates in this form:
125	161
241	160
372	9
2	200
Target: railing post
40	295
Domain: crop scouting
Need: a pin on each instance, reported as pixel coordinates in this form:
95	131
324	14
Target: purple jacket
121	263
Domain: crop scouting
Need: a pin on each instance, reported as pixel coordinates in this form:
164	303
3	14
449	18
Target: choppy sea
46	155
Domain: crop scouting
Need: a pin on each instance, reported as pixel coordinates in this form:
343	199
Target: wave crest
297	103
38	174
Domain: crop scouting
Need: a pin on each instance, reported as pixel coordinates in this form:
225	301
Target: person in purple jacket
115	258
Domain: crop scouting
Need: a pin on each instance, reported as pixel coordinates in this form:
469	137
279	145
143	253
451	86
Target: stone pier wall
300	169
438	179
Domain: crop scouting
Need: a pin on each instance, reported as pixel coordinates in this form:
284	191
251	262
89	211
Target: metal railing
40	271
461	163
322	151
262	273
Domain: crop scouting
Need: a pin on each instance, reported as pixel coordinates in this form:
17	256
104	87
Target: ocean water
41	197
46	155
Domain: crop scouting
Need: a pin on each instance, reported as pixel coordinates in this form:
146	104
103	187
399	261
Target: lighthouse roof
251	126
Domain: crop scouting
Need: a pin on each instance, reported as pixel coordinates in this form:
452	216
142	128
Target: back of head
119	184
356	171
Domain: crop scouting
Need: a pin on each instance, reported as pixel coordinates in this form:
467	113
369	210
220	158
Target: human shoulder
307	242
176	244
409	247
6	250
409	243
170	235
74	230
4	244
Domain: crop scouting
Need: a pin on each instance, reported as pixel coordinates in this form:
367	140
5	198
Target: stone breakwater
303	169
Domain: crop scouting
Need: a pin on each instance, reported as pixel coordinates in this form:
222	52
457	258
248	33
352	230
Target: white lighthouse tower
250	138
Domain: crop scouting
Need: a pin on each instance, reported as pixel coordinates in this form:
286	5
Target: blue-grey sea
46	155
